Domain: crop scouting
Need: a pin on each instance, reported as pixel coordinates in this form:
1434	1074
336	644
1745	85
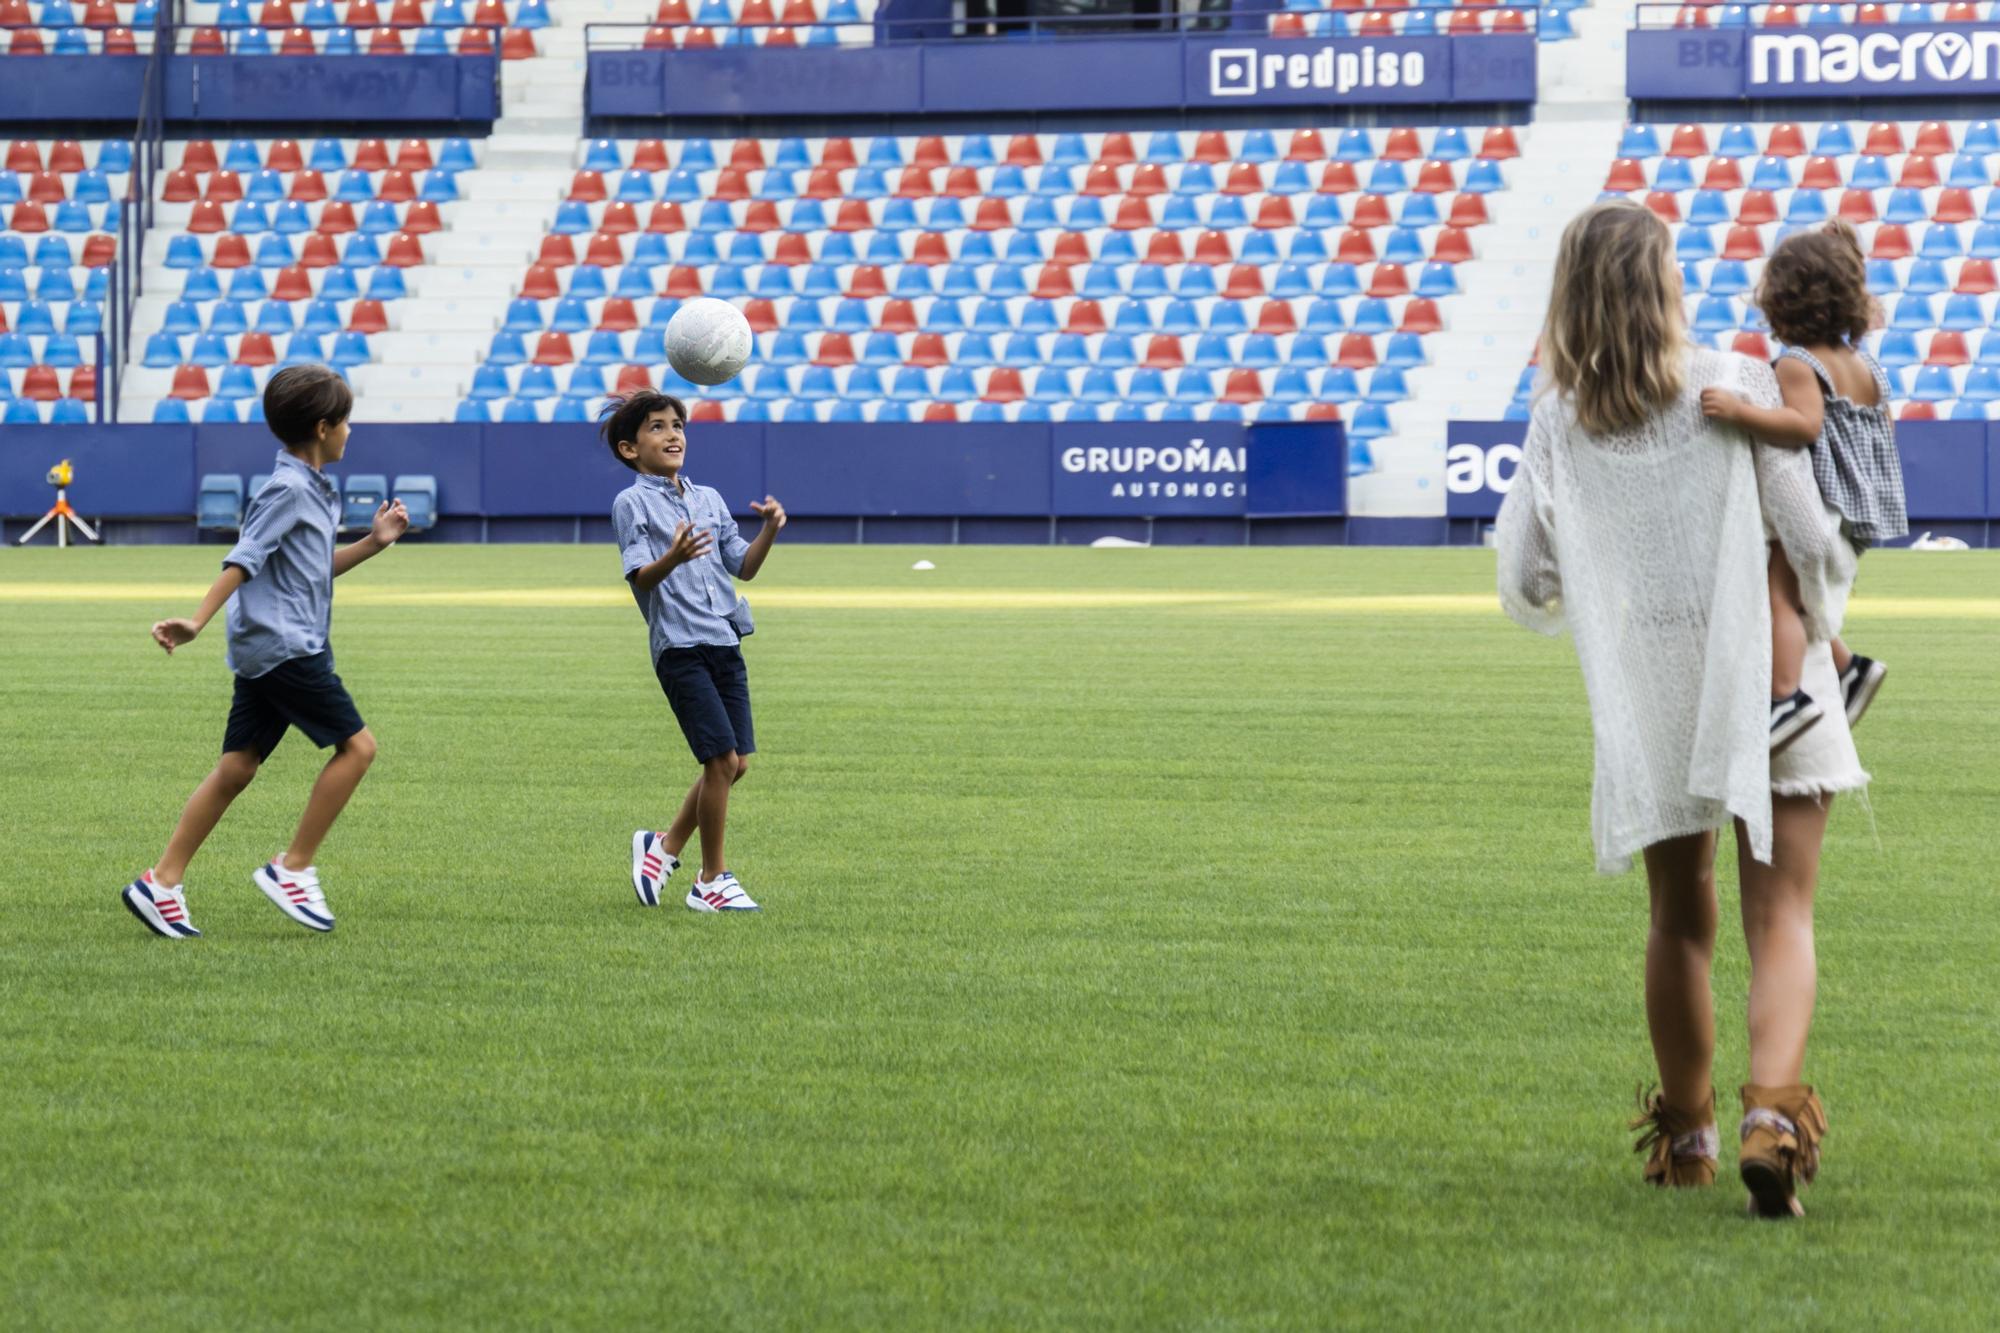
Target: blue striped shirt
696	603
285	551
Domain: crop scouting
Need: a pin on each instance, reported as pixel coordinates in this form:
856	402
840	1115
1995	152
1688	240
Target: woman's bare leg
1778	929
1680	946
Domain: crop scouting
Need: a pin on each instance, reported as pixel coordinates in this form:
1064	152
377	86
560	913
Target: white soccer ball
708	341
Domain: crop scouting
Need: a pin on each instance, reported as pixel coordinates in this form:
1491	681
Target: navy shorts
710	694
302	693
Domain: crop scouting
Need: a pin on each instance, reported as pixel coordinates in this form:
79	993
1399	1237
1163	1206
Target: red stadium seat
930	152
120	42
83	383
1085	318
1163	352
867	281
336	219
633	379
371	155
1663	206
1743	243
929	350
1947	349
66	155
1857	207
962	183
1117	149
1787	140
1165	249
1243	386
941	412
1210	146
747	155
824	183
389	42
256	350
231	251
1436	178
1338	178
29	218
1751	344
1004	386
199	156
931	248
793	249
1723	174
98	250
518	44
1454	246
1821	173
1370	210
1354	247
1357	352
1277	317
706	409
308	186
190	382
1499	144
1306	146
1322	412
1469	210
1975	277
1892	241
649	155
1053	283
854	215
1885	138
405	251
1625	176
24	155
206	219
838	153
317	250
760	315
915	183
557	251
620	219
1244	178
276	14
665	219
1688	141
604	251
682	281
46	187
1954	205
1023	151
1402	145
1915	411
1245	281
1275	213
40	384
542	284
1389	280
1919	172
992	215
1421	316
1757	208
297	42
835	349
368	317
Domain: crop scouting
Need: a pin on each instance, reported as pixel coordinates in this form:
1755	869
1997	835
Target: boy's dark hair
621	418
1815	288
298	398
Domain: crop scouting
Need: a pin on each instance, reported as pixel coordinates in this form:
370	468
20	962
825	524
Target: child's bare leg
683	826
718	775
1788	628
1778	928
1680	945
231	774
1841	655
330	793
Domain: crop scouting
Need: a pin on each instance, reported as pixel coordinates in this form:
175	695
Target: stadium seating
283	251
1721	14
1548	20
1921	195
219	503
1260	274
698	24
360	496
59	211
419	495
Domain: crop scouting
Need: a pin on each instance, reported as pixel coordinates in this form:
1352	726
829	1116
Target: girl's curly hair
1815	288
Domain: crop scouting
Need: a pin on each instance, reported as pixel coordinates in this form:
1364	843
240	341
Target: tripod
64	516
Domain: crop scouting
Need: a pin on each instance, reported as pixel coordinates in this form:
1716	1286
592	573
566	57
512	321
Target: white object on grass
1930	543
923	564
1118	544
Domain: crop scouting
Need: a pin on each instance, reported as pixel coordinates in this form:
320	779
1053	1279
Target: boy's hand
1720	403
171	634
392	520
770	511
690	543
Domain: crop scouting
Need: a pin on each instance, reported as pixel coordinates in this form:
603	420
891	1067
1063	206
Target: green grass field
1153	939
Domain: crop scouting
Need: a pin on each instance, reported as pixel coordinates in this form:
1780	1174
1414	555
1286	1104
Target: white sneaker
296	892
163	910
652	866
721	894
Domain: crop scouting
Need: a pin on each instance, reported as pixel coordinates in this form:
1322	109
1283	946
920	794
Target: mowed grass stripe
945	599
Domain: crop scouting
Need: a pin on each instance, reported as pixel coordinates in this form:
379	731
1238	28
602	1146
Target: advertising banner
1872	61
1480	458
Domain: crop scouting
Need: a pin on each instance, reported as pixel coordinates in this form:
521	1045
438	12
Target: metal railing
135	219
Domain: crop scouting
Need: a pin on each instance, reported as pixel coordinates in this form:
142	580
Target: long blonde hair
1615	340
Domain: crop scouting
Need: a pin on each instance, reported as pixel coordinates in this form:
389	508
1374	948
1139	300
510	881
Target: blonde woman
1640	525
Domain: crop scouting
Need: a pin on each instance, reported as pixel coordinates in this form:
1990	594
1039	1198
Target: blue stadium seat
219	502
360	495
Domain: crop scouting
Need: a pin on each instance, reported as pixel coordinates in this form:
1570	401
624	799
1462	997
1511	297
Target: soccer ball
708	341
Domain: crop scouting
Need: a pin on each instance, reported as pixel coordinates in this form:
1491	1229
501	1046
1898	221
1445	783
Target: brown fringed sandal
1782	1129
1683	1145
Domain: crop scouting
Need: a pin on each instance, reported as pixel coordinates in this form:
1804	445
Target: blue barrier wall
1025	477
275	89
1951	475
1066	74
1870	61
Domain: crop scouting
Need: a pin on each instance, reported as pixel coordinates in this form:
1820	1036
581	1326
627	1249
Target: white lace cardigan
1648	546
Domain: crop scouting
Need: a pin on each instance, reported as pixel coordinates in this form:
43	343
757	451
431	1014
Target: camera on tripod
61	475
60	513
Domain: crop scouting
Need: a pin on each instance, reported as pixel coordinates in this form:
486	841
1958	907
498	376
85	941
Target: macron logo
1246	71
1881	57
